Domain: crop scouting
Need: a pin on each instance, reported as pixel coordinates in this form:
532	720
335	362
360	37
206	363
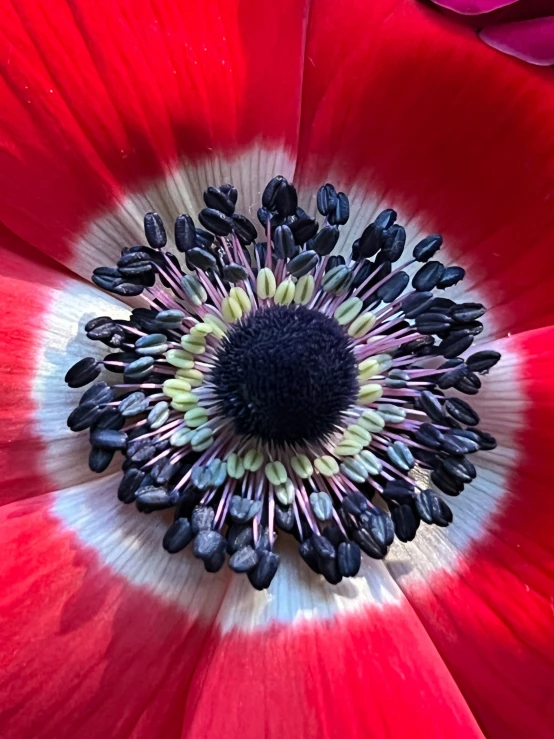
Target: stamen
278	387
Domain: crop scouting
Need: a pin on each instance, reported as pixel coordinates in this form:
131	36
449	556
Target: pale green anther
151	345
181	437
235	466
231	309
361	325
369	393
358	433
218	471
326	465
372	463
196	417
304	289
219	327
385	361
337	280
179	358
253	460
175	386
392	413
193	376
372	421
194	290
158	415
241	296
184	401
368	369
276	473
265	283
322	506
354	470
201	329
202	446
347	447
201	439
284	295
194	344
348	310
285	493
302	466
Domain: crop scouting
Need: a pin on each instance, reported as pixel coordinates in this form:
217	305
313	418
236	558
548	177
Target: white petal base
179	192
502	409
64	342
130	544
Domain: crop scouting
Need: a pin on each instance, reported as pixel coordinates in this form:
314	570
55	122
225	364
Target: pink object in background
524	29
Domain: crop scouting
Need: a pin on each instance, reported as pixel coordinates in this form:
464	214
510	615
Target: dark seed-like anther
432	509
244	560
427	248
450	277
326	199
303	263
202	519
155	231
218	200
326	240
215	221
349	558
406	522
207	544
99	459
84	371
185	234
432	406
178	536
264	572
201	259
483	361
428	276
108	439
461	411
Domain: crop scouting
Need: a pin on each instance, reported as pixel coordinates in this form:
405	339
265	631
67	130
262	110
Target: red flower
109	110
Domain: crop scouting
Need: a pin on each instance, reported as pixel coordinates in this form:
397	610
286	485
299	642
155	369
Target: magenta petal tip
473	7
531	41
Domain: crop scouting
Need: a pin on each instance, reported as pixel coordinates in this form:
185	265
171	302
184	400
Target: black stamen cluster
286	375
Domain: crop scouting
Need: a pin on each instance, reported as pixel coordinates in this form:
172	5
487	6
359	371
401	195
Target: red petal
27	287
473	7
98	99
491	618
85	653
405	109
345	678
532	40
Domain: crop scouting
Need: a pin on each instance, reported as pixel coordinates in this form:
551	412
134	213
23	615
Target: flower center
282	388
286	375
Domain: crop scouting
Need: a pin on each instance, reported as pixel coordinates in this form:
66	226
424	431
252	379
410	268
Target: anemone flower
348	495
